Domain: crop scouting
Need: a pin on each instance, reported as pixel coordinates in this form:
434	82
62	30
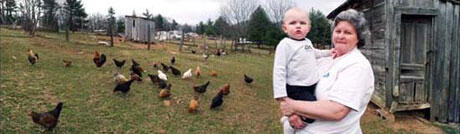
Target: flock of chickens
50	119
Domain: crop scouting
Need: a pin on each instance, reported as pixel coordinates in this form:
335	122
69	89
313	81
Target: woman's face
344	37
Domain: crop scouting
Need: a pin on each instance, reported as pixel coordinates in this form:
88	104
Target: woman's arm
322	109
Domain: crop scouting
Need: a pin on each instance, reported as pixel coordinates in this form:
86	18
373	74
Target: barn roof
347	4
128	16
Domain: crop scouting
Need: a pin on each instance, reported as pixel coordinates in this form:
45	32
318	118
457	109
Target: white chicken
119	78
162	75
187	74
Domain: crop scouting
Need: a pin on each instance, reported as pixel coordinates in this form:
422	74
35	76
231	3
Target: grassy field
90	106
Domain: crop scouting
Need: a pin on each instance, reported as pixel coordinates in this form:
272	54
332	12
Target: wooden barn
139	29
414	51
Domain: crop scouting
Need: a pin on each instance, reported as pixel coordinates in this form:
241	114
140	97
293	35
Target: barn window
134	23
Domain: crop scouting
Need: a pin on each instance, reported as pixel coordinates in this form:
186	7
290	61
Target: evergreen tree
221	26
75	14
121	24
200	28
159	23
49	19
174	25
111	24
209	28
320	32
8	10
258	26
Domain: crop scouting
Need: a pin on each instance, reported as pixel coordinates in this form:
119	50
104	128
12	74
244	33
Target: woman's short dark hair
357	20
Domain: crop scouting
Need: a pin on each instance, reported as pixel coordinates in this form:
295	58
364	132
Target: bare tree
237	13
31	11
277	8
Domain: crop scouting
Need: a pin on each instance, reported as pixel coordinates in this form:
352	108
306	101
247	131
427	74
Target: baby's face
296	25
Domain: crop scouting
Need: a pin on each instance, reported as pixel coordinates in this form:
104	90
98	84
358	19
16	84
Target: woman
344	91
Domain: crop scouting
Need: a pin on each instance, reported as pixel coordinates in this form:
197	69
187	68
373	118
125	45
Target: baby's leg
287	128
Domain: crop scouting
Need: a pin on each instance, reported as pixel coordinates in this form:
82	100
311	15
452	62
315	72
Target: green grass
90	106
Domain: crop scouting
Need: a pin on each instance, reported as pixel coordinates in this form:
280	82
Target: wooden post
148	36
181	41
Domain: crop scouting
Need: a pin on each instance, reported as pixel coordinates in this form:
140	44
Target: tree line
259	22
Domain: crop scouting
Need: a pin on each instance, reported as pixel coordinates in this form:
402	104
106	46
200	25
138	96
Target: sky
186	11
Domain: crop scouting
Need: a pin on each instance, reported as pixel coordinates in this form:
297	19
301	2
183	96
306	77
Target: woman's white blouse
350	82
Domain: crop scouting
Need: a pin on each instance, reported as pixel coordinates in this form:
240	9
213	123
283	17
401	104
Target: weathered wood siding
138	29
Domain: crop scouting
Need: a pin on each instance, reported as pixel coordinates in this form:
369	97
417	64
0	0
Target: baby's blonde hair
297	10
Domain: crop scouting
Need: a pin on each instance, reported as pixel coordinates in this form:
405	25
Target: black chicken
124	87
202	88
173	60
217	100
248	79
162	84
134	62
50	119
175	71
154	78
118	63
193	51
165	67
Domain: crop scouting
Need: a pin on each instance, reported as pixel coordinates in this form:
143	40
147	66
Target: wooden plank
452	114
410	107
435	64
457	107
389	31
417	11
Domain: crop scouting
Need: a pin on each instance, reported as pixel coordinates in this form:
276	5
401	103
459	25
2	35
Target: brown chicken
67	63
213	73
193	106
198	72
164	93
50	119
32	57
225	89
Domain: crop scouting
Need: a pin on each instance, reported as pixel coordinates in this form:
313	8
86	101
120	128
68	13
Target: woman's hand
333	52
287	106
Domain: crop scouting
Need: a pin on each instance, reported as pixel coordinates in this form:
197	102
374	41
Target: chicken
164	93
162	84
154	78
187	74
67	63
165	67
99	59
119	78
32	57
193	51
136	68
217	100
225	89
213	73
175	71
49	119
248	79
134	62
118	63
218	53
173	60
155	65
193	106
201	88
206	56
162	75
125	87
197	72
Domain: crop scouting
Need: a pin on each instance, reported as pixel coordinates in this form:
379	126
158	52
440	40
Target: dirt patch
408	121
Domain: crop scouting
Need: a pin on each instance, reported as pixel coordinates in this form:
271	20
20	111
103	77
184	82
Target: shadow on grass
15	36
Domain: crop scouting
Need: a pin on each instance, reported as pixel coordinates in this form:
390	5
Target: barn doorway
416	36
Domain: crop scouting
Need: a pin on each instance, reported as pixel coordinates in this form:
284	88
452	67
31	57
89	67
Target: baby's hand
333	53
296	122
